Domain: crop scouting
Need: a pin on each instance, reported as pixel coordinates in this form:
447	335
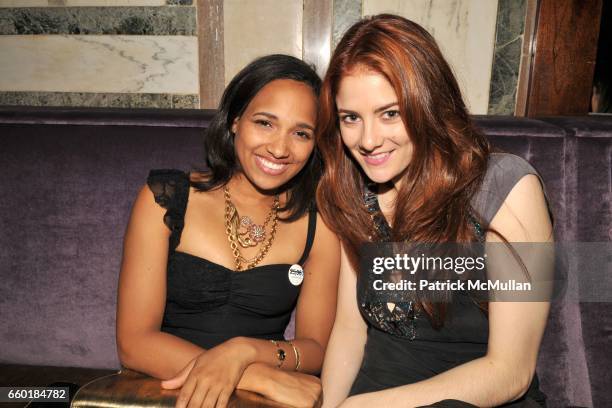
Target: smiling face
371	126
275	134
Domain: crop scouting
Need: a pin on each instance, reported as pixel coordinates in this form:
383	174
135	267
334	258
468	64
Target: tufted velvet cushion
70	176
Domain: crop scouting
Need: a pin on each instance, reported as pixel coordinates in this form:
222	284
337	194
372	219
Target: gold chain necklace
244	232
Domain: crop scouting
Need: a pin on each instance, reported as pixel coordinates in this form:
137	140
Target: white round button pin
296	274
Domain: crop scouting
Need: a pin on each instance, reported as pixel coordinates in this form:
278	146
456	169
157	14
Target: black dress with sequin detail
402	346
207	303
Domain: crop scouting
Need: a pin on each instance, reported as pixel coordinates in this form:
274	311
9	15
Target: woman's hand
292	388
209	379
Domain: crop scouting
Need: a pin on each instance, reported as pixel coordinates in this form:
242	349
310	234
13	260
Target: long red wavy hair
449	155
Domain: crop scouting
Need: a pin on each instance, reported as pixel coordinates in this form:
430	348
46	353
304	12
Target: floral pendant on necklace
252	234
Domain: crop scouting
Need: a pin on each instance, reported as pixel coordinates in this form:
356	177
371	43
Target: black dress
403	347
207	303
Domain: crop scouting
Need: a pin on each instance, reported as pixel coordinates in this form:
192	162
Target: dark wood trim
527	53
564	53
210	49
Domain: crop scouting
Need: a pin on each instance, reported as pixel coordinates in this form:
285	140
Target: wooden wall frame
559	53
211	60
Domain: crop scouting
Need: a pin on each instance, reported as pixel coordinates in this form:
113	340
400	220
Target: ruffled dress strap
171	191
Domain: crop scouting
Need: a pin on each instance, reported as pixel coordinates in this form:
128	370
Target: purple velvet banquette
69	177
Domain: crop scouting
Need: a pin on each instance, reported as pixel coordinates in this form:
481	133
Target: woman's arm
515	328
211	376
316	308
142	296
141	301
345	349
314	315
314	319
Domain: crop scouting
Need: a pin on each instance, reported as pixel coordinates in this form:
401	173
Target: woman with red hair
404	163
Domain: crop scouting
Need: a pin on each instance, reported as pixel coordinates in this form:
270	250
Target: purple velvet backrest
71	175
68	184
583	335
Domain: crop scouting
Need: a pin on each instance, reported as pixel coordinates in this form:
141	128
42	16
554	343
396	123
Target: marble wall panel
99	20
121	64
465	32
506	61
115	100
24	3
256	28
90	3
346	13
